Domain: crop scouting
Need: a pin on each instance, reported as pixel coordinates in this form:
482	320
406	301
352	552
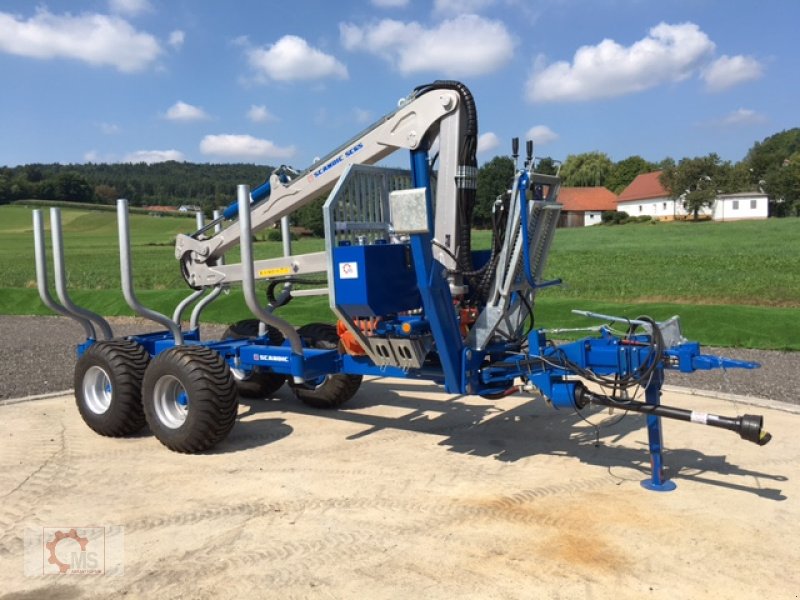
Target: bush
619	217
614	217
274	235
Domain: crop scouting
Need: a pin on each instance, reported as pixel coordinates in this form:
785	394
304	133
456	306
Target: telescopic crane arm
430	111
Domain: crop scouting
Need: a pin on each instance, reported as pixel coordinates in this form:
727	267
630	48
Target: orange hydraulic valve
467	317
349	341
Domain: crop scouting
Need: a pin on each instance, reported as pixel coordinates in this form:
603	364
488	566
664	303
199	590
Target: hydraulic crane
412	298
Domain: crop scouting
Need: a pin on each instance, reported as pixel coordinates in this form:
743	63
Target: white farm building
646	196
744	205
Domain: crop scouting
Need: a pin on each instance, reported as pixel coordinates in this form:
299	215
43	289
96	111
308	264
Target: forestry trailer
411	296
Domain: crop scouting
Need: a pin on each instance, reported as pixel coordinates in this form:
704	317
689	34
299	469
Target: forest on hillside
165	183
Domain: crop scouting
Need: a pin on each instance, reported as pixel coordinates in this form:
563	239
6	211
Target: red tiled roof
645	186
587	198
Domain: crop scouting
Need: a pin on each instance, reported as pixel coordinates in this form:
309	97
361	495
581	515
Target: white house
646	196
744	205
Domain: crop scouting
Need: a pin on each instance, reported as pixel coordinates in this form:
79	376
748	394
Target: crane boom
418	120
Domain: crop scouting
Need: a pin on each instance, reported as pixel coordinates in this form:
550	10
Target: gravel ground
37	356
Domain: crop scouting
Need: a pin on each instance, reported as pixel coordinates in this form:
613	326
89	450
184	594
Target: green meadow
733	284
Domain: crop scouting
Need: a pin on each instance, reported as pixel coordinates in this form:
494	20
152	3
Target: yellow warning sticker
277	271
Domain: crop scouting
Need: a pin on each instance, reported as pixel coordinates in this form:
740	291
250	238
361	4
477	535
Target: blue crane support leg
657	481
433	286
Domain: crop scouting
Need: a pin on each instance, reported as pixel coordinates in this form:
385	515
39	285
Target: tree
20	188
769	154
5	189
625	171
494	179
74	187
773	165
737	179
45	190
696	181
547	166
587	169
665	163
33	173
783	186
311	217
106	193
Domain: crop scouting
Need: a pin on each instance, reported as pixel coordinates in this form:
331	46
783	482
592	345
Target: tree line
772	165
171	183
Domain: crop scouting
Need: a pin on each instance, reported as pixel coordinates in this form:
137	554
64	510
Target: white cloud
292	59
728	71
130	8
176	38
742	116
260	114
362	116
669	53
92	156
390	3
181	111
467	45
153	156
541	135
109	128
243	147
460	7
99	40
487	142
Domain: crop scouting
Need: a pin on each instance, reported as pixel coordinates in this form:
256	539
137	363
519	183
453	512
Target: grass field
734	284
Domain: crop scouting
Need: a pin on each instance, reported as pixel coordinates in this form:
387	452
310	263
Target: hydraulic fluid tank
375	280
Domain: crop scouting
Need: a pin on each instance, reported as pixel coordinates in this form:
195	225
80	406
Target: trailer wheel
189	398
108	387
256	383
330	391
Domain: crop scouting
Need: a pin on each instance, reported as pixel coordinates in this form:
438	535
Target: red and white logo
73	551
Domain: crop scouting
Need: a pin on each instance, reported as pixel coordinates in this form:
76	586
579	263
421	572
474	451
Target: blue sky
284	82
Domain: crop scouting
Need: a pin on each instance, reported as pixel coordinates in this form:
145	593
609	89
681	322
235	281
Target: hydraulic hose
467	191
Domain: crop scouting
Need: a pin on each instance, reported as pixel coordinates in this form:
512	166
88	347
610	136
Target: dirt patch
408	492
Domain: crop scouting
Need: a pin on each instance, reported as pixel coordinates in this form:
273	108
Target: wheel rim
316	383
171	402
97	390
242	375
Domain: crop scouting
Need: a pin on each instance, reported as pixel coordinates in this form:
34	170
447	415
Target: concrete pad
410	493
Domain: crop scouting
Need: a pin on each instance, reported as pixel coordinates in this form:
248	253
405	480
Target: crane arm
414	123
